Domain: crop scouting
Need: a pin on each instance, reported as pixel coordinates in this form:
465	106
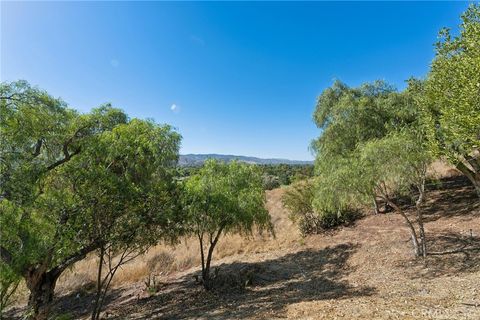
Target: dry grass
164	260
442	169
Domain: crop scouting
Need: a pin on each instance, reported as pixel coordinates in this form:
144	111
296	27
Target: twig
453	251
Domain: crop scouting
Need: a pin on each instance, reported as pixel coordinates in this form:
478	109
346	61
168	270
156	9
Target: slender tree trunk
423	239
42	287
206	274
95	310
202	255
375	205
103	282
413	233
419	210
207	283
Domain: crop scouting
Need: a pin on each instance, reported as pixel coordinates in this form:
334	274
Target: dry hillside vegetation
365	271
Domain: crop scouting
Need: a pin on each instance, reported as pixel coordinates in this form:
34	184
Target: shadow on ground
446	198
452	196
450	254
74	305
272	285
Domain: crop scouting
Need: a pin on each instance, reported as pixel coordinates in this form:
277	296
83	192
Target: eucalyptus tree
126	184
39	134
374	144
224	198
453	93
74	183
347	117
403	164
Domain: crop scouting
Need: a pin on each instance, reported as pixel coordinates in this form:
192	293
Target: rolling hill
199	159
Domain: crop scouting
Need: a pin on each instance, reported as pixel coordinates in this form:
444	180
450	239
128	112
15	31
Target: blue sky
234	78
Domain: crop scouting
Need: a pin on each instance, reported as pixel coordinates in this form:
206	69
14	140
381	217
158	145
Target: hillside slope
361	272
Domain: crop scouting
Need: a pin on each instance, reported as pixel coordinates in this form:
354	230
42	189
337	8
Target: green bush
332	219
270	182
298	200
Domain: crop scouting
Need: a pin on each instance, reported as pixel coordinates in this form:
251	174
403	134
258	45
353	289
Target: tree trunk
472	175
206	272
418	207
375	205
423	239
202	255
96	307
42	286
413	233
207	282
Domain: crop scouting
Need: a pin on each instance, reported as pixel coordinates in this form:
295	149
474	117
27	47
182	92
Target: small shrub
161	262
270	182
298	200
344	217
152	286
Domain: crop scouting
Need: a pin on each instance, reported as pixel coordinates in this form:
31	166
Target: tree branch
77	256
5	255
67	157
462	250
38	147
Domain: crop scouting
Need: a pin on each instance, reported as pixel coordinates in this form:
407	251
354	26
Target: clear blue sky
234	78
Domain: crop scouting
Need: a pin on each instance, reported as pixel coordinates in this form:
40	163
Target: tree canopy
224	198
453	94
73	182
373	145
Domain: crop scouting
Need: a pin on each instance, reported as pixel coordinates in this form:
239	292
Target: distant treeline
274	175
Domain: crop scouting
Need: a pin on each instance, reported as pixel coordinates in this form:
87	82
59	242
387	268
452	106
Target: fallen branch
453	251
471	304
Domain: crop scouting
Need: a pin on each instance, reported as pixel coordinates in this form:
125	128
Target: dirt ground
365	271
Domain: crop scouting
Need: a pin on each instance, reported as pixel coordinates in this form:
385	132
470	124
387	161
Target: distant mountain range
189	160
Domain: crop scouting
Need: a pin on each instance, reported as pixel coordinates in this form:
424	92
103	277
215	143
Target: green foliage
73	182
270	182
274	175
298	199
9	282
27	113
333	219
402	165
123	185
226	196
285	174
375	143
350	119
452	92
348	116
453	86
